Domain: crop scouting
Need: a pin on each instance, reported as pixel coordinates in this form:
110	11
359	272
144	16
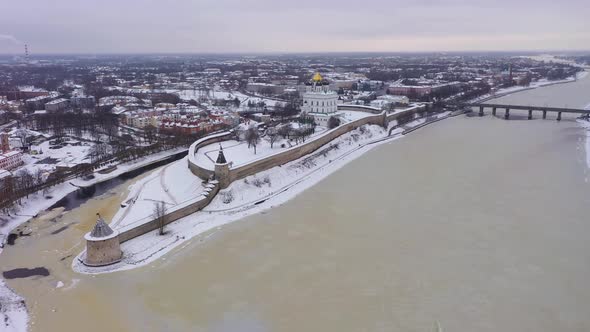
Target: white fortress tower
318	100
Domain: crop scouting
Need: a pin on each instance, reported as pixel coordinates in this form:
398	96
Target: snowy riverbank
13	311
251	195
533	85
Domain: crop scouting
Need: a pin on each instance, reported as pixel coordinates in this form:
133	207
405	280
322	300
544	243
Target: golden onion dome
317	77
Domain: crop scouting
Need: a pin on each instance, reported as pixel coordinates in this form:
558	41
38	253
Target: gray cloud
296	26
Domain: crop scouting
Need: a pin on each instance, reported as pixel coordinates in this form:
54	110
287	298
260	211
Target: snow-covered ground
550	58
126	167
533	85
252	195
13	312
349	116
238	153
71	153
172	184
221	94
37	203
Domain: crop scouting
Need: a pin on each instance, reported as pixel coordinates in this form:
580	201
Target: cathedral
318	100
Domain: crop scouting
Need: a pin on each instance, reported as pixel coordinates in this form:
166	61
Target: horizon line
535	51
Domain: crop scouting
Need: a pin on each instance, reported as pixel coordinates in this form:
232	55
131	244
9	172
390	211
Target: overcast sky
197	26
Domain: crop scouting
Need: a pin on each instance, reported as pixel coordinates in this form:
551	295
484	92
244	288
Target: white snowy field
217	93
172	184
238	153
69	155
251	195
13	312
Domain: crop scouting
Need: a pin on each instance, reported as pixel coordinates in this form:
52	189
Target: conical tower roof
221	156
101	229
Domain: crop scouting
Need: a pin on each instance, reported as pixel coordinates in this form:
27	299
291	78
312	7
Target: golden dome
317	77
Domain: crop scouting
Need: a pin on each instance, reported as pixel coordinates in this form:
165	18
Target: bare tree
285	130
252	137
25	180
333	122
273	135
159	215
150	132
39	177
22	135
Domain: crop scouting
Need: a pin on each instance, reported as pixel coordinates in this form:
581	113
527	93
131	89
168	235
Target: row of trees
25	183
75	124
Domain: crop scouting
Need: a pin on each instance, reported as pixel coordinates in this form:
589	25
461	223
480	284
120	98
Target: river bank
252	195
13	310
212	289
534	85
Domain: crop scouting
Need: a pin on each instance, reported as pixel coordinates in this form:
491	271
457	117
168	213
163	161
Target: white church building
319	101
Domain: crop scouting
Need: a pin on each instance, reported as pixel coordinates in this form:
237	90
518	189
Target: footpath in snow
250	195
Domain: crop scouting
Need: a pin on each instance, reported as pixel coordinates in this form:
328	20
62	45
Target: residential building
11	160
59	104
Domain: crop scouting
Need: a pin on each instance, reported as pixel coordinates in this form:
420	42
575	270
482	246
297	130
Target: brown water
477	223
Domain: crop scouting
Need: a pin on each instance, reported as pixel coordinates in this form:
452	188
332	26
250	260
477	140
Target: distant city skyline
253	26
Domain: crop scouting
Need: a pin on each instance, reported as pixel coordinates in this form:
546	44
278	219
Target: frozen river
476	223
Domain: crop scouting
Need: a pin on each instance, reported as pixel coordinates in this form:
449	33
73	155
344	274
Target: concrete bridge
530	109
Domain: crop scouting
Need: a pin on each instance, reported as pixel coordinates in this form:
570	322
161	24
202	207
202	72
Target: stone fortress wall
101	252
180	211
202	172
379	117
299	151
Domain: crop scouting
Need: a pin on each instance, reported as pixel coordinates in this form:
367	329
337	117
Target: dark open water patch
59	230
25	273
11	239
82	195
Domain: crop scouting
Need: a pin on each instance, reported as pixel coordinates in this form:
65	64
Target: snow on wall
182	210
281	157
197	170
293	153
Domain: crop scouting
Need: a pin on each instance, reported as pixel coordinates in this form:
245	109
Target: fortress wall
175	214
197	170
404	113
359	108
304	149
107	252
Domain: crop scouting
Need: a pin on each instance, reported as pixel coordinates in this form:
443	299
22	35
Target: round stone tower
102	245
